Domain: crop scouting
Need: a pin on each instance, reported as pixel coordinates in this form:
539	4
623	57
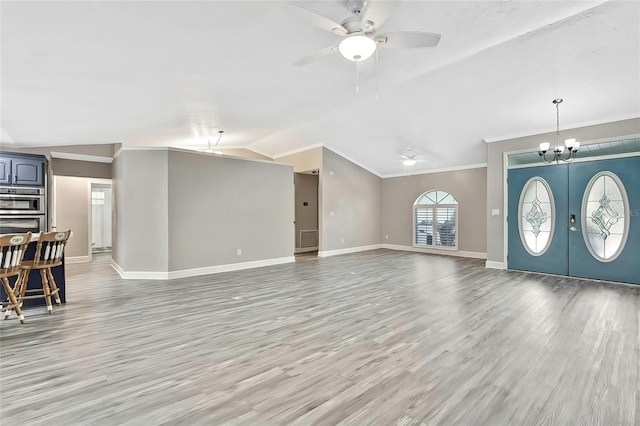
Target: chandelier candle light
558	152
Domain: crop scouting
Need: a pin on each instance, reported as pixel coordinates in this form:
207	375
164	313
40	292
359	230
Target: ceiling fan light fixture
357	47
409	162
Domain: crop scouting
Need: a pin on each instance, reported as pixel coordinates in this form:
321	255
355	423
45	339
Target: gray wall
495	170
306	187
469	187
63	167
140	241
351	204
219	204
72	212
117	194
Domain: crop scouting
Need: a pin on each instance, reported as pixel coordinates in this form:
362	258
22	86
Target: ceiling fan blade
316	56
376	12
408	39
318	19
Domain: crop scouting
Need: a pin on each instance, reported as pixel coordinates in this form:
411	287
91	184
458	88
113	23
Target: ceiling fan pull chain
357	76
377	77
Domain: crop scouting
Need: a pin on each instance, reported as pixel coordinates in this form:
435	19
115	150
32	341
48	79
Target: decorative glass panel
536	216
436	197
605	210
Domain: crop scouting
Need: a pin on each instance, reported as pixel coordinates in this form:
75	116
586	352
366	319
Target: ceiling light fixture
409	162
357	47
210	147
558	152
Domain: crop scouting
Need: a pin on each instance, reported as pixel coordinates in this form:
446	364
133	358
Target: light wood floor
378	337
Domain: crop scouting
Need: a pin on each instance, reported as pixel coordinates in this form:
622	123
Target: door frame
506	167
90	182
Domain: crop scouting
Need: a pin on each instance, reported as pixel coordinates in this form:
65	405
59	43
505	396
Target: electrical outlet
342	240
239	252
386	237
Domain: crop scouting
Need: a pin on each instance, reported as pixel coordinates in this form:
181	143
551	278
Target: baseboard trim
185	273
327	253
495	265
138	275
77	259
306	249
458	253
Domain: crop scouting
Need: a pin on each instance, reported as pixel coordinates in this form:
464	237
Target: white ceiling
171	73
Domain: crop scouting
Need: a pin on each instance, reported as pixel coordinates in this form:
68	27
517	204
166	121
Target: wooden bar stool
48	255
12	249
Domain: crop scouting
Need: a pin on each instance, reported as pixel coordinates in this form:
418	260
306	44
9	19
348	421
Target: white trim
230	267
505	207
306	249
117	268
327	253
193	151
571	127
118	152
145	148
495	265
441	170
458	253
164	275
77	259
295	151
81	157
577	160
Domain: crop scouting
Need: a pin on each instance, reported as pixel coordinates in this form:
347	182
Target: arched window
435	220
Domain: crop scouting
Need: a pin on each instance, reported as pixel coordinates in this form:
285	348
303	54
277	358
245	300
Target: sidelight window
435	223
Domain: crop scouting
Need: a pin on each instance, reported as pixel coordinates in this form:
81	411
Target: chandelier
210	148
559	153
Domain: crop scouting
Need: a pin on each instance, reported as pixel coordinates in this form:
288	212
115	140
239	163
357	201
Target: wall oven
18	224
22	201
22	210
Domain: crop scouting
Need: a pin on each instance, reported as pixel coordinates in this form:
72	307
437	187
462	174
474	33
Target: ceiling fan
360	39
410	158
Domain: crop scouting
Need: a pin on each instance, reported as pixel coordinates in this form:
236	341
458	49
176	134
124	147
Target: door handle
574	229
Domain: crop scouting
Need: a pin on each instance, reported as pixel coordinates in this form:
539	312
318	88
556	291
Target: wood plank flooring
379	337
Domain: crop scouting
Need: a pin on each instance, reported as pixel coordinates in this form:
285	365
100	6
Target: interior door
604	241
538	219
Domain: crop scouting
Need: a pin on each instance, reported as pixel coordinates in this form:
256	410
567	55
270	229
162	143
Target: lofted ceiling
171	73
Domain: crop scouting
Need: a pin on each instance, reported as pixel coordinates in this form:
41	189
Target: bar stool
12	249
48	255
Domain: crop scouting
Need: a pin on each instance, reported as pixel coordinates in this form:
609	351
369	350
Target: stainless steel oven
22	209
16	224
22	201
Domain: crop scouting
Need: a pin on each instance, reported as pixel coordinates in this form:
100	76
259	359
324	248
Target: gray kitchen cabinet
22	170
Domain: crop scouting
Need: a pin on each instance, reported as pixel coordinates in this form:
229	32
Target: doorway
306	212
580	219
101	202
